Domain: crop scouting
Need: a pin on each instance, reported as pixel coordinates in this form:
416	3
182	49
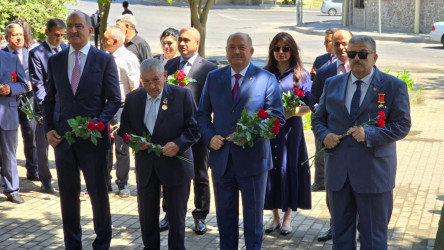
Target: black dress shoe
164	224
270	229
200	227
285	232
317	187
32	176
15	198
326	236
47	188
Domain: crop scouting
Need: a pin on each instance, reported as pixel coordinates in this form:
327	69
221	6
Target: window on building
359	4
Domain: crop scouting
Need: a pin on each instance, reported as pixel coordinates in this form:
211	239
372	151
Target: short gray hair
11	26
128	19
364	39
150	65
82	14
117	33
250	42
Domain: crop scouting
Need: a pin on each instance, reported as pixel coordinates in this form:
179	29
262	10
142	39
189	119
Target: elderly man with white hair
129	73
133	42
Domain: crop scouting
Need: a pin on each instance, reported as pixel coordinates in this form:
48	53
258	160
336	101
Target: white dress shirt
129	70
19	54
72	59
52	47
187	67
341	69
351	88
149	102
233	79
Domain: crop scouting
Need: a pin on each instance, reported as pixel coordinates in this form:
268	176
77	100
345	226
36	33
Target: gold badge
251	78
164	107
164	102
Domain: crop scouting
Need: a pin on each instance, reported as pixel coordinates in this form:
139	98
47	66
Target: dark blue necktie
354	106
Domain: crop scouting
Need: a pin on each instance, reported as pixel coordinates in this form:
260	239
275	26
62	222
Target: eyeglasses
361	55
284	49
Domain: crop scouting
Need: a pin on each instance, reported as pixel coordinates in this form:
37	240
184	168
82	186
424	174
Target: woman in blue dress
288	185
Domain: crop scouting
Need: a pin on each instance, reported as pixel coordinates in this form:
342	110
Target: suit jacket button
74	101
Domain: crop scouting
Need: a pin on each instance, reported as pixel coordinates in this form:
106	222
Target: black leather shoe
326	236
317	187
270	229
47	188
15	198
164	224
285	232
200	227
32	176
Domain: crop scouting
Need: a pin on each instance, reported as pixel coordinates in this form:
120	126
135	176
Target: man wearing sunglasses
340	43
361	167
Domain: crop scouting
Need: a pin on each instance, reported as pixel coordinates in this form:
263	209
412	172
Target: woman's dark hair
27	33
295	59
170	32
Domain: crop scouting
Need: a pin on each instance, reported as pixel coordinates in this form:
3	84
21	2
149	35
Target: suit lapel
161	114
62	59
342	81
247	82
140	112
195	67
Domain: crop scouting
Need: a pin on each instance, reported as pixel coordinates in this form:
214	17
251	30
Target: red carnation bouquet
378	120
179	78
84	128
257	124
134	142
292	100
27	108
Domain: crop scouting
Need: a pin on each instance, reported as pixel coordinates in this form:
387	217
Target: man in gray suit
361	167
10	87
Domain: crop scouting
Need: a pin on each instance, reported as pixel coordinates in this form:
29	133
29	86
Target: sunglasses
284	49
361	55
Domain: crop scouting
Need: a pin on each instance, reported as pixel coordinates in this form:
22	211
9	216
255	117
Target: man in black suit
167	113
327	58
38	72
341	66
197	68
15	38
82	81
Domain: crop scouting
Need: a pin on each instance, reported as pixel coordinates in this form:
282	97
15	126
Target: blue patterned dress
288	184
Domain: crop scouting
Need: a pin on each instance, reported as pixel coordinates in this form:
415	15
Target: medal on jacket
164	104
381	100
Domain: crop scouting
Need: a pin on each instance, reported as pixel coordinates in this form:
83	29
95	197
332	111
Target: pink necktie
236	86
346	67
76	72
56	49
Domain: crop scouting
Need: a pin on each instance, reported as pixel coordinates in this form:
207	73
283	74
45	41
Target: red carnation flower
276	123
274	130
296	91
301	93
381	123
181	75
100	126
91	125
14	76
381	115
126	138
181	84
262	114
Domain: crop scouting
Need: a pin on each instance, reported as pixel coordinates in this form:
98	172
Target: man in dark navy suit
341	66
167	113
15	38
82	81
197	68
38	72
327	58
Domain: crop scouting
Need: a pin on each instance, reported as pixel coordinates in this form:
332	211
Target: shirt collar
50	45
18	51
84	50
119	51
191	60
149	98
242	72
366	79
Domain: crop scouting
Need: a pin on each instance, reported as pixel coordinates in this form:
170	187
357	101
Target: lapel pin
375	89
381	100
251	78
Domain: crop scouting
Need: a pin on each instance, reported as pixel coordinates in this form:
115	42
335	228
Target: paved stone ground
418	198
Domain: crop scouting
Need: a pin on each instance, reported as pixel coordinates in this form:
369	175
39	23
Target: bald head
189	40
340	43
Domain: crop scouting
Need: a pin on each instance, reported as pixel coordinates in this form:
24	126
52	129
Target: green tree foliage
35	12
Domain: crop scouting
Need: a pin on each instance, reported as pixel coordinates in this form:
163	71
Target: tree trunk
199	17
104	7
